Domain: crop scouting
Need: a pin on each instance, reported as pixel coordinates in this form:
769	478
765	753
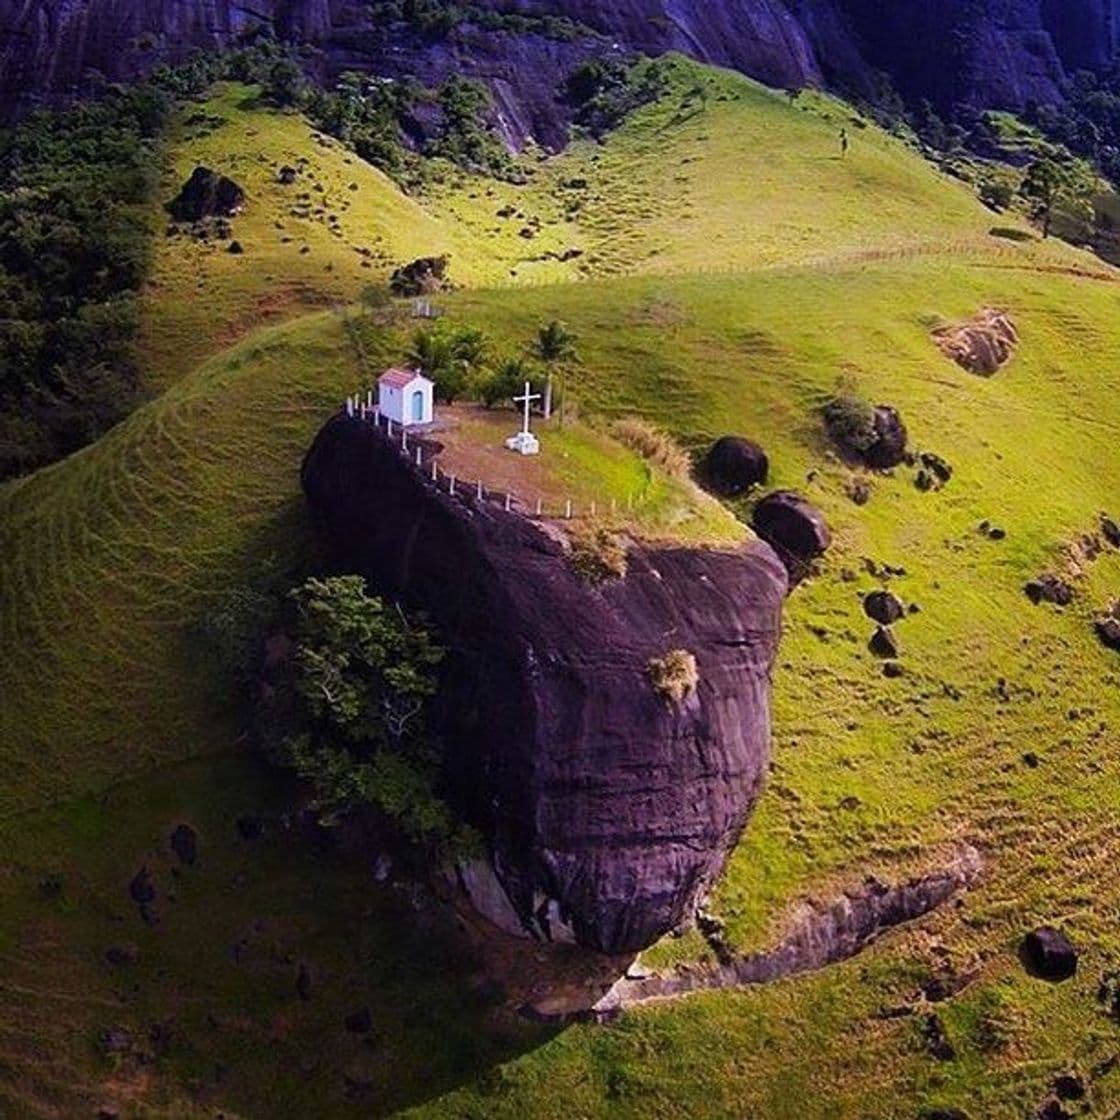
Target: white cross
527	400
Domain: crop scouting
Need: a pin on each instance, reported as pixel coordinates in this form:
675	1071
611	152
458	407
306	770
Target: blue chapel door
418	407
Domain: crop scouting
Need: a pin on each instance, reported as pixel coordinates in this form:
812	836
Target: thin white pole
540	506
452	484
480	495
568	510
509	503
435	471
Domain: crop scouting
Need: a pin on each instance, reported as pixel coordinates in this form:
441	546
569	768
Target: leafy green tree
451	358
1054	185
362	676
505	383
363	670
285	84
554	343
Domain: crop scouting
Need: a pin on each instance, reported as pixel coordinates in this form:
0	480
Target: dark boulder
884	607
1108	631
1048	954
360	1021
206	194
423	277
891	438
608	812
121	956
1110	530
1049	588
184	843
885	645
794	528
734	465
142	889
249	826
939	469
1070	1087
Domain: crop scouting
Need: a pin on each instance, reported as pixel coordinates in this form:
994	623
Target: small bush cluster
674	676
599	557
850	421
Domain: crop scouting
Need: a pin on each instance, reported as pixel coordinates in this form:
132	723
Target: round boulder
1048	954
794	528
735	464
883	607
889	448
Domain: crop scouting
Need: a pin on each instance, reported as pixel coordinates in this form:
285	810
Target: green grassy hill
733	271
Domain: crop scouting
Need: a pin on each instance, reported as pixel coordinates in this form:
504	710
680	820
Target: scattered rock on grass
184	843
937	1041
1110	530
206	194
114	1040
889	448
884	644
249	826
121	956
1049	955
1049	588
883	607
142	889
303	982
421	277
1069	1087
360	1021
1108	631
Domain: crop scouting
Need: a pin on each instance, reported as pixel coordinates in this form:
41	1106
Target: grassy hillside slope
114	725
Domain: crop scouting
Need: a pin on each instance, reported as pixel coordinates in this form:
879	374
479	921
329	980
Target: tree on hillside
285	83
355	701
554	345
1054	185
505	383
451	358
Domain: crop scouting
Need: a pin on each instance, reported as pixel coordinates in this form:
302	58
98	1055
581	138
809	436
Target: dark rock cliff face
609	809
984	52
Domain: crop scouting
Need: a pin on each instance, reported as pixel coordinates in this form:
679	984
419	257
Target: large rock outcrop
988	53
609	809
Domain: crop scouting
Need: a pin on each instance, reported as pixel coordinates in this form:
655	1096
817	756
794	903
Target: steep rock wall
609	810
985	52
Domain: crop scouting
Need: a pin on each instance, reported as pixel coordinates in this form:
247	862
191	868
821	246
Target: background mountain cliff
988	53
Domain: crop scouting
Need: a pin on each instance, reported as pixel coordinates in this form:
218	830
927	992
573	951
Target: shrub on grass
850	421
653	445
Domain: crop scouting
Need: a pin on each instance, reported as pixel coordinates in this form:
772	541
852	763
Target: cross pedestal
525	443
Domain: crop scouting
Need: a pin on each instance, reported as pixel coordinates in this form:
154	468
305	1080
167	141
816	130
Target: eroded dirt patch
983	344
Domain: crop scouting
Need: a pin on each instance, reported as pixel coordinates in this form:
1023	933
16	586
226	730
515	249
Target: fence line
415	451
